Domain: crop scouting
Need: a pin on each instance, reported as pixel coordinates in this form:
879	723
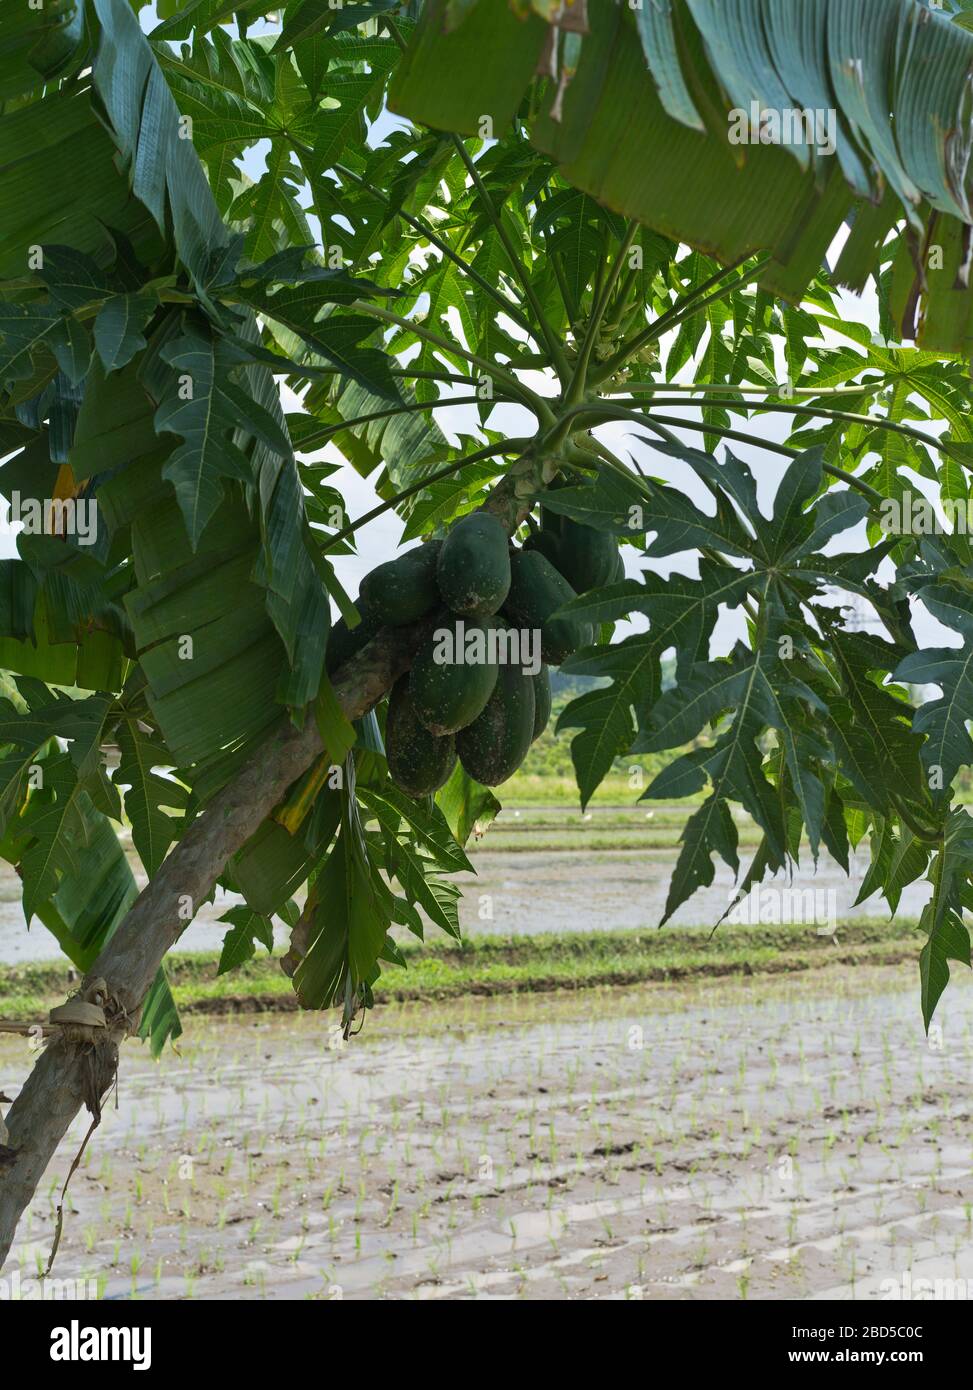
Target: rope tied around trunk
91	1015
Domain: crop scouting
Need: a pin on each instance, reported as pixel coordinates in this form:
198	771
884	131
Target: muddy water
530	892
761	1139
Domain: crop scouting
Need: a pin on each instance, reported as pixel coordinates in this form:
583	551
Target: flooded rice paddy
793	1137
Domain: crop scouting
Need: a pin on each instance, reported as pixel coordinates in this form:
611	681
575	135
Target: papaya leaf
204	407
347	929
711	828
942	920
240	942
467	806
682	614
119	328
947	746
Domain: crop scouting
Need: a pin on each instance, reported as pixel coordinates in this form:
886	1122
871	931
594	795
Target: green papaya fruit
537	590
492	748
401	591
547	542
542	701
551	522
474	566
344	642
587	557
452	676
419	762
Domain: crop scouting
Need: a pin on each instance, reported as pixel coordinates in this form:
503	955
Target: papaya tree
472	244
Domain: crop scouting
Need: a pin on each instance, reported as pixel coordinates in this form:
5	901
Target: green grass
588	839
497	965
545	828
528	788
555	789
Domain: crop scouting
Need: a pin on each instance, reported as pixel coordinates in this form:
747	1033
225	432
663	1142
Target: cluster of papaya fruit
479	689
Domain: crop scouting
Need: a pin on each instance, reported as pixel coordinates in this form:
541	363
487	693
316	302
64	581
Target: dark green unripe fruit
401	591
419	762
547	543
551	522
537	590
587	558
492	748
344	642
542	701
448	694
474	566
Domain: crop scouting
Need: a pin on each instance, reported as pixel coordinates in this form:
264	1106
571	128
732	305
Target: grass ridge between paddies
503	965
